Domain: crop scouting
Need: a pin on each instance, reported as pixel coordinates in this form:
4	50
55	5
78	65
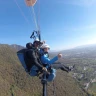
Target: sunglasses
47	48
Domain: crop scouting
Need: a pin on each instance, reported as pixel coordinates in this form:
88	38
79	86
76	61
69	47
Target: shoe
64	69
67	69
71	67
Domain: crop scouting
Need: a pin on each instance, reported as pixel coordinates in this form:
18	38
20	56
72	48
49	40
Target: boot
66	68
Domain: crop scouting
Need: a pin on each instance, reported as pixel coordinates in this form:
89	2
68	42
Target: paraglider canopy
30	2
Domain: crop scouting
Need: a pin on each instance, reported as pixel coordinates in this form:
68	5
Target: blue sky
63	23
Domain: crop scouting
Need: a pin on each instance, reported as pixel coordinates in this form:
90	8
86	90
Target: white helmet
45	46
36	39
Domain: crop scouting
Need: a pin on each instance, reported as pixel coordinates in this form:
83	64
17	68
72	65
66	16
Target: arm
34	58
46	60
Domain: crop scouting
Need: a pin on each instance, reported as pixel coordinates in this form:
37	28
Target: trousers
50	77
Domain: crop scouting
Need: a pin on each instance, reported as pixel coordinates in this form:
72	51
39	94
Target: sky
64	24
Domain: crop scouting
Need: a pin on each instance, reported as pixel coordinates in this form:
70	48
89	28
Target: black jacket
32	57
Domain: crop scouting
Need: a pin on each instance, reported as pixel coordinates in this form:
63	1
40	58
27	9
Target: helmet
45	46
37	41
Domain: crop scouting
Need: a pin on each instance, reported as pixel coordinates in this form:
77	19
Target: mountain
14	81
17	47
84	58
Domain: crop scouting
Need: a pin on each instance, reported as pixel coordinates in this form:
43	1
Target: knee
33	72
53	70
51	77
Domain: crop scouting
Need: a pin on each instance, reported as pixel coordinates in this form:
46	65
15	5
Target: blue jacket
45	58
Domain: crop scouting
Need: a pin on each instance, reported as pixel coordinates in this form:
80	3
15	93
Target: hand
44	69
59	55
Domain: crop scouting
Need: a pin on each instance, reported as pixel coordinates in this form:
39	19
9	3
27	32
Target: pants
50	77
34	69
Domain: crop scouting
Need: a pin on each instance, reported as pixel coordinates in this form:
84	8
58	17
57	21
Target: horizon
81	46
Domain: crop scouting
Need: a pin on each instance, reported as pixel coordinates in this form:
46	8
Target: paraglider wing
30	2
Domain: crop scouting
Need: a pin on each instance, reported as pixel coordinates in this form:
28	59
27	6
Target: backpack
29	62
21	56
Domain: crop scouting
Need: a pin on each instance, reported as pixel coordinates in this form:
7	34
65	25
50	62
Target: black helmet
29	45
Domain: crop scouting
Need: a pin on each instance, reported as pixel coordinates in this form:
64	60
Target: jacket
46	60
32	57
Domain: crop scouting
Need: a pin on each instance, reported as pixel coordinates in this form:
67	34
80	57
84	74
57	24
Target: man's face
37	44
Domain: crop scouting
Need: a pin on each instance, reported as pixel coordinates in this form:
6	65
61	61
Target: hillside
16	82
17	47
84	58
